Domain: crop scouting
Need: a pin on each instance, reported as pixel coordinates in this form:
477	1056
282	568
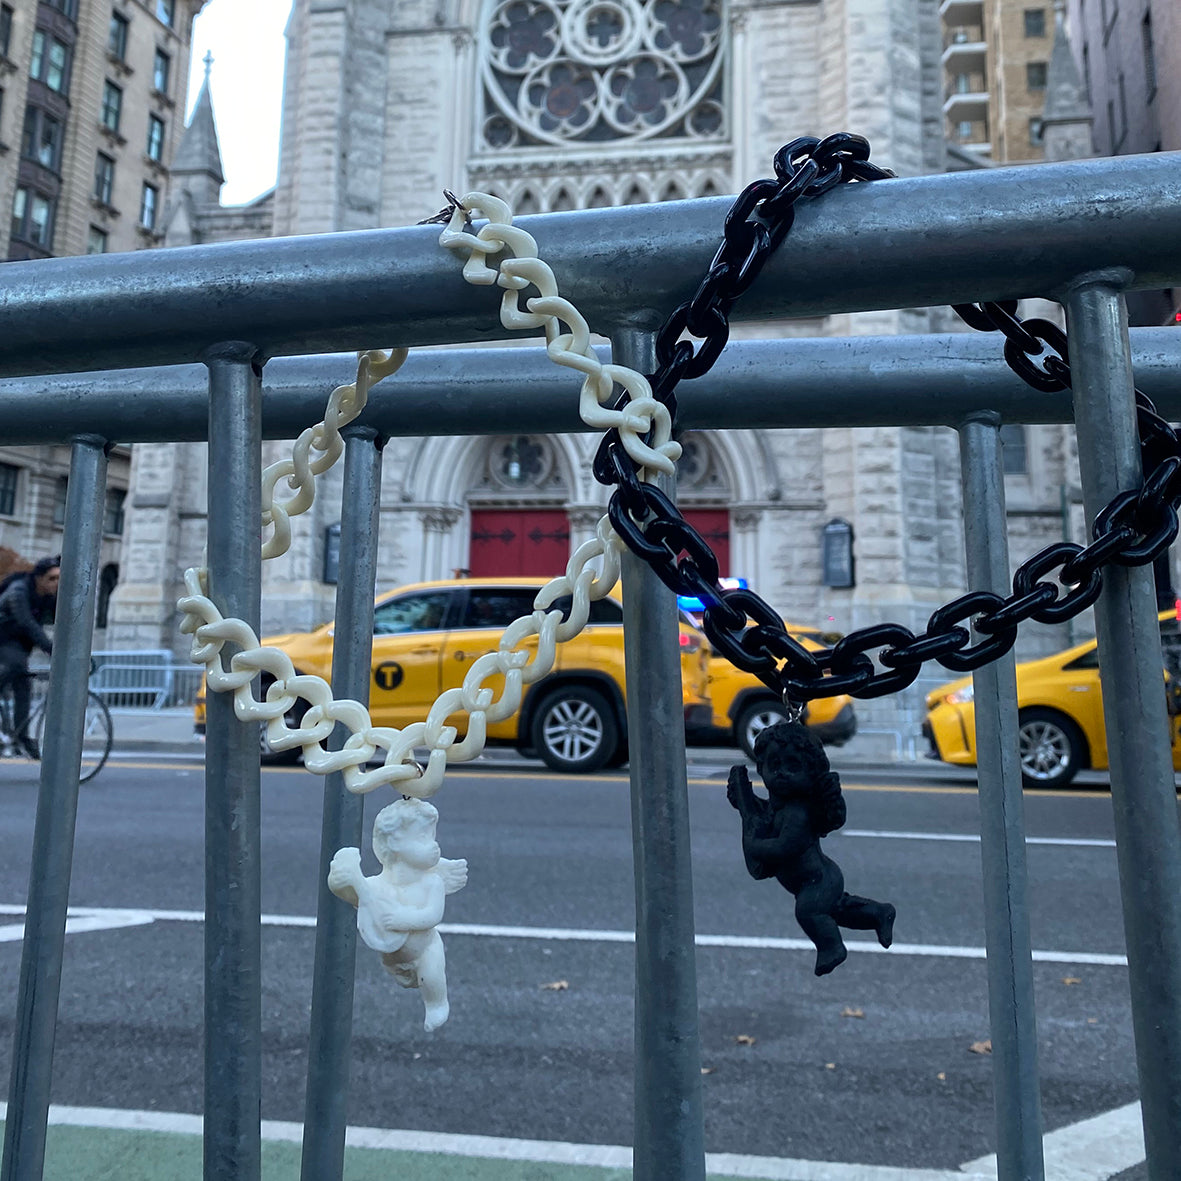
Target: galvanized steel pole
669	1138
233	972
995	233
329	1043
1143	792
1011	1009
867	381
57	809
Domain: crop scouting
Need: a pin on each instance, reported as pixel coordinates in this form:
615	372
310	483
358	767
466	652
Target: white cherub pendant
399	909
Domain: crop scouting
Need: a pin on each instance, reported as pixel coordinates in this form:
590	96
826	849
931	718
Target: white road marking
79	922
887	835
128	918
1092	1150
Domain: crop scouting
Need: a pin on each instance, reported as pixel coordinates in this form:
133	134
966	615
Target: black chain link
1054	585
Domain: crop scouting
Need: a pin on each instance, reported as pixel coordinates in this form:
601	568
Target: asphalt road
790	1070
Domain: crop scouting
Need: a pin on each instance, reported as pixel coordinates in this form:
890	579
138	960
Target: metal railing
143	679
1081	232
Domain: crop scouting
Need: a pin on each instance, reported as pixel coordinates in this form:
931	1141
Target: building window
60	490
1013	453
69	7
964	132
1035	75
104	178
8	480
161	69
1149	56
594	72
1035	22
155	137
117	37
165	11
50	62
112	106
1036	132
147	207
113	516
5	28
96	241
32	217
42	139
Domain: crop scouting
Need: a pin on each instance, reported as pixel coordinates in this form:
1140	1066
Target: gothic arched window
591	71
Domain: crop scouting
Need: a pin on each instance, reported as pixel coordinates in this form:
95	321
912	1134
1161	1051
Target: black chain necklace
1132	530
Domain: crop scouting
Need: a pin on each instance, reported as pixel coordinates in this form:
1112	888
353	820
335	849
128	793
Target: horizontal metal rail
915	242
854	381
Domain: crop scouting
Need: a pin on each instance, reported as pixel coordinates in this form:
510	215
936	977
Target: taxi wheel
574	730
276	758
753	720
1052	748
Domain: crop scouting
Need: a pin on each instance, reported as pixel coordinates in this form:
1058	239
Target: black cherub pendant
781	839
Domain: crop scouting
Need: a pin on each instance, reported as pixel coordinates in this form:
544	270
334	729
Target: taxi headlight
960	696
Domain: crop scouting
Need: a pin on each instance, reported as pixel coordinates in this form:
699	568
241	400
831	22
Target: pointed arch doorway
529	537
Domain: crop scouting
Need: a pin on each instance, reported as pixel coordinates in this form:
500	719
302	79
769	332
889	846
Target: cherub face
405	832
782	772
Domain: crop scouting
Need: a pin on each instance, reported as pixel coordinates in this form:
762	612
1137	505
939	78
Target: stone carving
557	71
399	909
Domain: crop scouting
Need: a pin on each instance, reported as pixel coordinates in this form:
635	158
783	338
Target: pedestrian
27	599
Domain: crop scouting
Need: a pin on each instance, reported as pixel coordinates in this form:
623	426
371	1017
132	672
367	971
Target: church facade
562	104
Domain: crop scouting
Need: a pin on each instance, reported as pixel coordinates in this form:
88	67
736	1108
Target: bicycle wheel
97	735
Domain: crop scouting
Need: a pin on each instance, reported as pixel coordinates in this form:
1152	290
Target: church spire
197	164
1067	117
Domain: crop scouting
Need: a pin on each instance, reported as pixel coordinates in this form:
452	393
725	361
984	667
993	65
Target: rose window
557	71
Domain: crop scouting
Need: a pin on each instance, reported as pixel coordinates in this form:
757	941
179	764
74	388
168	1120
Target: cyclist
27	599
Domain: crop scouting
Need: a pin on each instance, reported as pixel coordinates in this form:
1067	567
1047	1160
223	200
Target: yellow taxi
1060	715
426	637
743	706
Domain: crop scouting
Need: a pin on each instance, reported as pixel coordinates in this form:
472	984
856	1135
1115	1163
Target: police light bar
690	603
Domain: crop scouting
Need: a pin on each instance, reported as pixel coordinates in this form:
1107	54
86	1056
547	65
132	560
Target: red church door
526	541
714	525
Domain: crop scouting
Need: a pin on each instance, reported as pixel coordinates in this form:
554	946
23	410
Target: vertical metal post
669	1141
233	973
57	810
1143	794
1002	824
326	1102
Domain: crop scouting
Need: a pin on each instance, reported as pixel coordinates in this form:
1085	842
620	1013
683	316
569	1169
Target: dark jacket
21	612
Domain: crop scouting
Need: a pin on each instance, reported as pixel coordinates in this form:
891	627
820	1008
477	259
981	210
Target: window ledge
112	137
109	210
161	97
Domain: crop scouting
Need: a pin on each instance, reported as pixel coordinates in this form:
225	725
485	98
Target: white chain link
582	581
520	269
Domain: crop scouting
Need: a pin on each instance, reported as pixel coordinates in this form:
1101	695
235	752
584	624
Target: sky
246	40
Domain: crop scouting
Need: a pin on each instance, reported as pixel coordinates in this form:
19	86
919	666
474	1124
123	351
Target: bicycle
97	735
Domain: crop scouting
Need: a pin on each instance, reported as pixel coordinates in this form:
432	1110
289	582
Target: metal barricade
1082	232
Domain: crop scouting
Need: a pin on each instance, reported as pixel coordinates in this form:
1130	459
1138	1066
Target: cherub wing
453	873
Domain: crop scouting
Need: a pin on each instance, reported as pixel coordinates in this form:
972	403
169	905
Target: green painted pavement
105	1154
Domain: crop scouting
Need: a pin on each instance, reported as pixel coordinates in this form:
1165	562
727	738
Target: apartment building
1129	52
996	56
92	96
